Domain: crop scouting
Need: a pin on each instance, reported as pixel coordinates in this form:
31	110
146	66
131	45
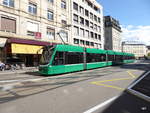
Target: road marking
100	83
110	86
112	80
100	105
132	75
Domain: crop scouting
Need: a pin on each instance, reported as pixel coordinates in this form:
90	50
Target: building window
95	18
9	3
87	43
99	11
50	15
32	28
63	4
81	32
64	35
75	18
51	1
100	46
81	21
92	43
86	13
75	6
99	20
8	25
50	33
99	29
91	16
76	31
30	33
95	8
82	42
95	35
32	8
99	37
82	10
96	45
76	41
86	23
87	33
95	27
91	34
91	25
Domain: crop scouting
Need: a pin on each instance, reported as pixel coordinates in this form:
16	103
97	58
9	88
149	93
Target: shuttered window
8	25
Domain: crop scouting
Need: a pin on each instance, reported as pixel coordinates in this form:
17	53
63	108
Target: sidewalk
24	70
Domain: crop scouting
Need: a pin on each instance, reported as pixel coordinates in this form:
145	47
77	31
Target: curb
17	72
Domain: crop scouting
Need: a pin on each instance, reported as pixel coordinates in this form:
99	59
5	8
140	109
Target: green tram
58	59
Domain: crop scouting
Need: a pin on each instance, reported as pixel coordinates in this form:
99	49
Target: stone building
27	25
112	31
139	49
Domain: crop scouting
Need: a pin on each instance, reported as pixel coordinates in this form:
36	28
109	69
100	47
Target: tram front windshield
46	55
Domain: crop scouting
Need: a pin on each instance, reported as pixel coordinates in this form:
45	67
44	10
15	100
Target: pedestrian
2	66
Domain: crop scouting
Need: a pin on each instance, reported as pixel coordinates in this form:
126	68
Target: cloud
136	33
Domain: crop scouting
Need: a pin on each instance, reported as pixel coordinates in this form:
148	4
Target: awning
3	42
29	42
25	49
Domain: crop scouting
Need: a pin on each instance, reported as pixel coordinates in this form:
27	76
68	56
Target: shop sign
38	35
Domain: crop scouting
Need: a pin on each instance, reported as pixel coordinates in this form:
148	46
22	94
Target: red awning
31	42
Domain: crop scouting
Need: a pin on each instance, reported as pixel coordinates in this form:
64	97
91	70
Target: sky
134	18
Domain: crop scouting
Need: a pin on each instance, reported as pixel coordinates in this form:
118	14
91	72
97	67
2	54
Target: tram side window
110	57
73	57
92	57
59	58
103	57
118	57
125	57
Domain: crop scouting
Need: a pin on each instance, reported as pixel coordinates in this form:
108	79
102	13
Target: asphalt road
94	91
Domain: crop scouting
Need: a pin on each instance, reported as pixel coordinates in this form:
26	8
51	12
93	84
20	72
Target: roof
93	50
69	48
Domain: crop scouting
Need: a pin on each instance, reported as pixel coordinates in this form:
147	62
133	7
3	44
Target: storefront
26	51
2	49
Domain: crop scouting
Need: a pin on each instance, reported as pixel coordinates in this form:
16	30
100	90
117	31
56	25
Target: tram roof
119	53
110	52
93	50
69	48
128	54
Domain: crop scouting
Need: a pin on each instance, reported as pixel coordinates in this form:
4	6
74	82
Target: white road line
21	80
100	105
6	81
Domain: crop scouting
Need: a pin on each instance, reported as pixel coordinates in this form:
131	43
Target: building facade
148	52
87	24
140	50
27	25
112	31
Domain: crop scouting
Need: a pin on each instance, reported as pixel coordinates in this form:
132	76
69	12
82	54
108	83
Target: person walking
2	66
